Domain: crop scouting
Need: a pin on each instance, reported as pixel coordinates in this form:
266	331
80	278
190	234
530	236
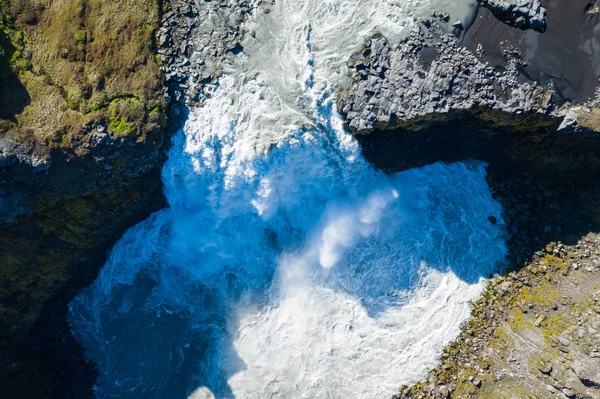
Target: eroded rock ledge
401	88
73	182
523	14
434	98
430	77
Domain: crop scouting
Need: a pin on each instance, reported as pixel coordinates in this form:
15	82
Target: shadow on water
148	327
448	230
159	330
547	182
156	327
13	95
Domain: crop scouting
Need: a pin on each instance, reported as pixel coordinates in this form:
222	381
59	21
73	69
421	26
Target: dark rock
560	48
523	14
408	90
164	40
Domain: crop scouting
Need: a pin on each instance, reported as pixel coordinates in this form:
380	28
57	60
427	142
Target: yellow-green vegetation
128	115
526	331
66	67
77	62
589	117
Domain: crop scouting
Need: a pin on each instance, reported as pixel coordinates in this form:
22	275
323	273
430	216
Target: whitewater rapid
286	266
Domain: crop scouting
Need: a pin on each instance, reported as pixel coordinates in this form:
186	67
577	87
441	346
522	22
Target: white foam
318	343
286	266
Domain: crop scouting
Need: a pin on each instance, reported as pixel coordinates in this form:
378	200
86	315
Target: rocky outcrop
80	163
509	98
434	76
402	97
430	76
534	333
195	43
523	14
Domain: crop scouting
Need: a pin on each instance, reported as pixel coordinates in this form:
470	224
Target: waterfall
286	266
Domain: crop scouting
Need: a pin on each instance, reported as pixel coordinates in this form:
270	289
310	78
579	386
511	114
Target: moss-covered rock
531	333
82	142
71	59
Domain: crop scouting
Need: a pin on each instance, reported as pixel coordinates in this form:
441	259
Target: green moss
120	126
81	36
126	116
81	55
73	101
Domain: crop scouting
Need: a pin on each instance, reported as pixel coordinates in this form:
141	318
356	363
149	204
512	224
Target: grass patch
72	59
126	117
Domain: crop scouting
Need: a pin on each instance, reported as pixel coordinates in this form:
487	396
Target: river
286	266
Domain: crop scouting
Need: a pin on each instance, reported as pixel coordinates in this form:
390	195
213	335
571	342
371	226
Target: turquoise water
286	266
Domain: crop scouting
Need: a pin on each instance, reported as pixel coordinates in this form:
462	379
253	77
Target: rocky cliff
82	140
90	93
526	102
85	86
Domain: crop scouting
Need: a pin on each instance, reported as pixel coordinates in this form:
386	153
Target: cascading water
286	266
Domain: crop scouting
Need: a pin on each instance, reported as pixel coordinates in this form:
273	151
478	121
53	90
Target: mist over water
286	266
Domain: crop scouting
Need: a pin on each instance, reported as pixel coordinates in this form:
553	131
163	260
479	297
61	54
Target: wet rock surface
433	75
62	210
396	87
196	41
523	14
508	97
564	56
